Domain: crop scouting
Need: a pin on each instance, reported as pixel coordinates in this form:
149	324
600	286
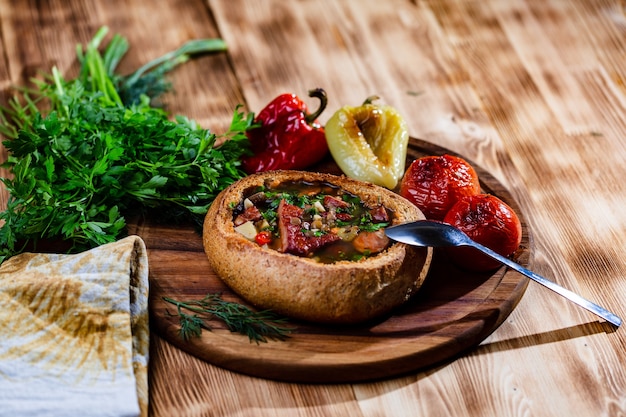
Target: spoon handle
594	308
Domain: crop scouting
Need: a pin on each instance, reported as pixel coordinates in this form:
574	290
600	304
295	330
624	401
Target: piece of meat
330	201
344	217
293	240
250	214
379	214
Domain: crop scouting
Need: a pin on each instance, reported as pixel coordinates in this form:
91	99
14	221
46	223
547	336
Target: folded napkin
74	334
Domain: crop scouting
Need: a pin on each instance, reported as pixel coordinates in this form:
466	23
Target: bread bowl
302	286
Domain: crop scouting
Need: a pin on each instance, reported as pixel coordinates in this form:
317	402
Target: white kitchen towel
74	334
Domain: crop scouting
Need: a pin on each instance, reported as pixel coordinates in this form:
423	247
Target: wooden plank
349	52
559	154
545	103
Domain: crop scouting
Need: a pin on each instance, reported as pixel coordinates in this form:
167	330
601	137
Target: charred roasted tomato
489	221
435	183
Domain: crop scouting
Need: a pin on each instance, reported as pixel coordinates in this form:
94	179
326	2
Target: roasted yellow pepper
369	142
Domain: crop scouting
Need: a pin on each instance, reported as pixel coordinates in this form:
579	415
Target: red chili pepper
287	136
263	238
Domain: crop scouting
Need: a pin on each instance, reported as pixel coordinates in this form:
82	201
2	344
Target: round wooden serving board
453	311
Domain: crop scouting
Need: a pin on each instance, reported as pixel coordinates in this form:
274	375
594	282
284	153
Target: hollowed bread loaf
342	292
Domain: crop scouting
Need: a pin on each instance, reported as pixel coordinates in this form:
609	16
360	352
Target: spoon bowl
437	234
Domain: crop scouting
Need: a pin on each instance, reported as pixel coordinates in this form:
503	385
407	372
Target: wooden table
533	91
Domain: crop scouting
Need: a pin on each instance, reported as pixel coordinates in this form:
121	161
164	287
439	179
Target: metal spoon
437	234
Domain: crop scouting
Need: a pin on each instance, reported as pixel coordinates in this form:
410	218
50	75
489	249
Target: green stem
180	55
321	94
181	304
370	100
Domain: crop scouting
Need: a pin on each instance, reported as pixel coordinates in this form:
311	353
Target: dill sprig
259	326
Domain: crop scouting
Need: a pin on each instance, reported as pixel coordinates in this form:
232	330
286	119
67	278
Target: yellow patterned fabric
74	334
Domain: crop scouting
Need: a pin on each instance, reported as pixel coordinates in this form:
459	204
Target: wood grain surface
534	91
454	311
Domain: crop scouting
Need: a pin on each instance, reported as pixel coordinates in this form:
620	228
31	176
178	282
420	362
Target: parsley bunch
103	152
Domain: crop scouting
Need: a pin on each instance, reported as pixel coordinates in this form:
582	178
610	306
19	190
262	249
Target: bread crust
345	292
